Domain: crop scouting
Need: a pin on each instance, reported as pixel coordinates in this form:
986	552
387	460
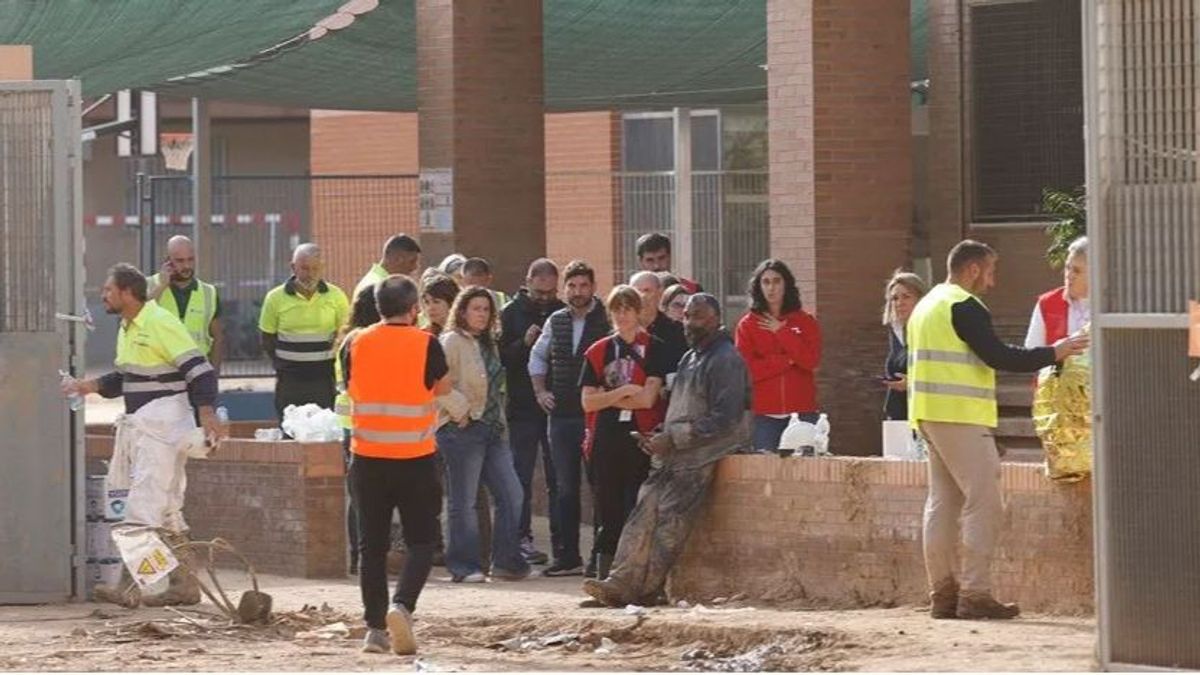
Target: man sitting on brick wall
708	418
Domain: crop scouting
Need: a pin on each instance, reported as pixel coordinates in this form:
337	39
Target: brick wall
582	202
282	504
841	184
352	219
847	532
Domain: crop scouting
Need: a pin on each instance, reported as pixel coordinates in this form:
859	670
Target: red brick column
479	93
841	184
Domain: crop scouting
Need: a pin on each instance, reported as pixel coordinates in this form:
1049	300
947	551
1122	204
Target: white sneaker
375	641
472	578
400	628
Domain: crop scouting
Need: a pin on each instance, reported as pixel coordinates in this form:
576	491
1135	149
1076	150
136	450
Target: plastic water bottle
222	414
74	401
822	442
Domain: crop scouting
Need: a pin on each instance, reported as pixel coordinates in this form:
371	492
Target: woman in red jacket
782	347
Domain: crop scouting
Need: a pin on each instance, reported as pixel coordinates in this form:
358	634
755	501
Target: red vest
1054	309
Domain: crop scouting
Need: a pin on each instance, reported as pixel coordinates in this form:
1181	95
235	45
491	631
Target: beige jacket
468	379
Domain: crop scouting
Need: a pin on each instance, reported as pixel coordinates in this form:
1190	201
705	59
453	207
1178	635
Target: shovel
254	607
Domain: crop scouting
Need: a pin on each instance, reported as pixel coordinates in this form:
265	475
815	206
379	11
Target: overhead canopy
598	53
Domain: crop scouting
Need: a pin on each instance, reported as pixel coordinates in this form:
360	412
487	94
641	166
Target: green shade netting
598	53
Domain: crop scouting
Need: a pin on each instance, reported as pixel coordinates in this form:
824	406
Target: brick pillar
479	93
841	185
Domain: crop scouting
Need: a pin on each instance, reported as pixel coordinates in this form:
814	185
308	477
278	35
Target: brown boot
182	589
944	599
125	593
608	592
981	605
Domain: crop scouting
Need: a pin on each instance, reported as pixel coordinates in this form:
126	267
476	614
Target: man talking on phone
192	300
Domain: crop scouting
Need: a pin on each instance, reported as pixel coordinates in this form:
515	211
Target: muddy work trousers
657	530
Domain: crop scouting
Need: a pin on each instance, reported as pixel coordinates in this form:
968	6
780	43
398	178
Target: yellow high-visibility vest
947	382
201	309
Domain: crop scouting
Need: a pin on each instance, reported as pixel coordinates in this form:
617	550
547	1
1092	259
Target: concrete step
1014	394
1015	427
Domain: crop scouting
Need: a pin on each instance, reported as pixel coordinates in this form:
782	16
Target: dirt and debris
530	626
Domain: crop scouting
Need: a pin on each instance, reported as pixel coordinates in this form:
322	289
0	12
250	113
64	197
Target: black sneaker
531	554
559	569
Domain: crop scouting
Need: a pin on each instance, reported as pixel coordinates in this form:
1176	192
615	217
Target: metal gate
41	444
1142	70
256	223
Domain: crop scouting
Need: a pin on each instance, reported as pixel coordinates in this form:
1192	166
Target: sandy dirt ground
530	625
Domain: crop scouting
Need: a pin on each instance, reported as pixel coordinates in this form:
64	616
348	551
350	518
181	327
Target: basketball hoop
176	148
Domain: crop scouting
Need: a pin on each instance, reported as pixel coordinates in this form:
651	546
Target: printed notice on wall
436	200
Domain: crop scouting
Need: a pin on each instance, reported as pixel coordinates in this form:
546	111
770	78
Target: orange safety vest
391	408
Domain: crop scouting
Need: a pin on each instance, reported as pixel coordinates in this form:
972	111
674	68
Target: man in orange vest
393	371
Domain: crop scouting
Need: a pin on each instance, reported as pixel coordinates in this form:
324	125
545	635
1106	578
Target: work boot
182	589
125	593
981	605
944	599
608	592
604	563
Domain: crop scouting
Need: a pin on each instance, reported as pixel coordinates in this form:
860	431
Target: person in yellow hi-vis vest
195	302
953	355
364	313
157	367
401	255
299	322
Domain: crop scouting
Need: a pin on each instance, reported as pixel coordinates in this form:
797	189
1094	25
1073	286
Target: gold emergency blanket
1062	417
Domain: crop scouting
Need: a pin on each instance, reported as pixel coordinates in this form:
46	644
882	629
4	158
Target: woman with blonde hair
900	296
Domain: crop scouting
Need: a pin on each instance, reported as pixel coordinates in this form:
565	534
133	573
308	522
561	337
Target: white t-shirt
1079	313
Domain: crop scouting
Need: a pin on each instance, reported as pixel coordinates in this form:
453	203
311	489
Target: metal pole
681	257
202	189
144	195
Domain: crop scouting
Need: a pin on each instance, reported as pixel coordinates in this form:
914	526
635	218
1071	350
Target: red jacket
782	364
1055	311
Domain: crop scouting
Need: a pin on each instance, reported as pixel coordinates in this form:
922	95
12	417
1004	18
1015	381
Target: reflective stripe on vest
392	411
304	347
947	381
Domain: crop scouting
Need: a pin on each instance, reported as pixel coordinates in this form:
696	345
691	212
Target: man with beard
521	323
554	366
158	370
192	300
300	321
708	418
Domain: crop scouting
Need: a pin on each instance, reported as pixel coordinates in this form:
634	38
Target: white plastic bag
800	435
149	559
310	423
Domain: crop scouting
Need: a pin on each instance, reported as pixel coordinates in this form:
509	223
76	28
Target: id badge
625	416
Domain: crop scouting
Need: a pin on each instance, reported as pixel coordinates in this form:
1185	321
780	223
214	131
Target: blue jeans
474	453
566	448
768	430
527	434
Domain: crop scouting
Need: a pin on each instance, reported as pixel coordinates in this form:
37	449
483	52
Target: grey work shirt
709	415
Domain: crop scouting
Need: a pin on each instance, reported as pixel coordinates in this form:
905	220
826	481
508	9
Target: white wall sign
436	200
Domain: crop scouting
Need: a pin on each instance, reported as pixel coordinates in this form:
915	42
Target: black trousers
378	486
619	467
305	387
